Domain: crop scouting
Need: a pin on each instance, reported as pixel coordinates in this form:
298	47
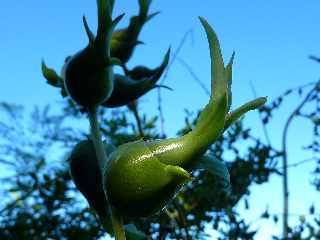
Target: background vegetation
39	200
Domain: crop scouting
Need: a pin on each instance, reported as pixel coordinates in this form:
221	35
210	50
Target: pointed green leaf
210	123
88	31
116	20
152	15
50	75
236	114
218	82
138	42
228	76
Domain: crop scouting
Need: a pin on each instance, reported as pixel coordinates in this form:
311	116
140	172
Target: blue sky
272	40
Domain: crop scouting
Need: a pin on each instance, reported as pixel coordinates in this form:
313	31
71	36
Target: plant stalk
117	221
285	160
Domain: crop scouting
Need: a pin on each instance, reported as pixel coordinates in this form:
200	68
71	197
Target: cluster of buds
87	76
139	178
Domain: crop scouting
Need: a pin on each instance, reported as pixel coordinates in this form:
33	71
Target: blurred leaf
216	168
132	233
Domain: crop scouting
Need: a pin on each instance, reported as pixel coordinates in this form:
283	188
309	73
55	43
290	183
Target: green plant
138	178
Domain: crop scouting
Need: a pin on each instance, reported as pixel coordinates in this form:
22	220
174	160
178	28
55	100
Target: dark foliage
40	201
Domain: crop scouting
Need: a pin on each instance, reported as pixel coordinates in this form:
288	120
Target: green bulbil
88	75
125	40
127	89
137	183
142	177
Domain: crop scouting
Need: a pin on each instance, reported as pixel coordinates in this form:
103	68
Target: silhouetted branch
285	158
194	76
133	107
165	77
298	163
7	162
317	59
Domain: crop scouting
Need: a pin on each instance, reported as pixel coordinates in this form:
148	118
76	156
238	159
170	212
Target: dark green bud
88	83
142	177
88	75
125	40
127	89
141	72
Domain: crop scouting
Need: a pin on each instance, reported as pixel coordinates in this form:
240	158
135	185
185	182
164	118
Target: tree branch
285	159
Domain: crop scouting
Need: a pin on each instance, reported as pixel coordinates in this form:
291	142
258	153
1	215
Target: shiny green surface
142	176
137	183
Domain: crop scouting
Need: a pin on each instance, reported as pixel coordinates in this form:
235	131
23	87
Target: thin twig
163	228
160	113
165	77
194	76
182	218
279	214
314	58
175	54
285	159
133	107
139	124
298	163
295	214
304	86
297	88
7	162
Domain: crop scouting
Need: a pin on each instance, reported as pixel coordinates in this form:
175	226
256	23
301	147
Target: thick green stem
96	136
102	157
